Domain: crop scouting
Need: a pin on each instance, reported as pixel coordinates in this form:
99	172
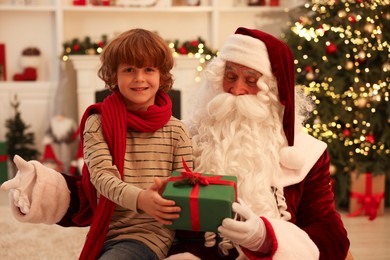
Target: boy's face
138	86
240	80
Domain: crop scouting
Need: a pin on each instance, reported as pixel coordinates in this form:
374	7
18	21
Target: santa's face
241	136
240	80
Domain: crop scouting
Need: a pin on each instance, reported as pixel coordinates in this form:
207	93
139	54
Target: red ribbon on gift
3	158
194	195
369	202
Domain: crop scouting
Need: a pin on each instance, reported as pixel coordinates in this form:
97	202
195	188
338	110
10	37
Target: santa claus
248	123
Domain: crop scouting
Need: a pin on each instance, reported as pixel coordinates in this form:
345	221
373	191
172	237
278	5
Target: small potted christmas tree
19	140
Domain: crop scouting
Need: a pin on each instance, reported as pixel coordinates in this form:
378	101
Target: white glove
249	233
21	186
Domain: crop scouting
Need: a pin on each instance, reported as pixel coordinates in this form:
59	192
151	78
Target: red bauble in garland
331	48
194	43
76	47
101	44
183	50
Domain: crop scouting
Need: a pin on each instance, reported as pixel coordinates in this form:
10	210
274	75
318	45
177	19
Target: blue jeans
126	249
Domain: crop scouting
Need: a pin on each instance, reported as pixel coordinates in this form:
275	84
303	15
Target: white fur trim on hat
50	197
247	51
291	158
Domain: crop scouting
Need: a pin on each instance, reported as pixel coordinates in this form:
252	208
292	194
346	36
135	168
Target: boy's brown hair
138	47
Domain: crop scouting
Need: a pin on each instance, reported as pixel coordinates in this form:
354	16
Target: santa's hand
21	185
249	232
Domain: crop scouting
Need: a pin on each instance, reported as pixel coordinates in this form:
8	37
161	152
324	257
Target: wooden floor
370	240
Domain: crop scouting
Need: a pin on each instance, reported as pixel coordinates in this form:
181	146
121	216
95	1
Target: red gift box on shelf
3	69
366	196
205	199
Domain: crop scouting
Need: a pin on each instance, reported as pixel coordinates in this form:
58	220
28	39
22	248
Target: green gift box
203	207
3	162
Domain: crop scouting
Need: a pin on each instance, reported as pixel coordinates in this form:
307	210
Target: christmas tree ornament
361	102
386	67
332	169
342	14
361	56
331	48
349	65
370	138
304	20
352	18
308	68
317	121
369	27
347	132
310	76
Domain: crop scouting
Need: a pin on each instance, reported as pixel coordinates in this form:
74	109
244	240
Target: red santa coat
315	225
315	230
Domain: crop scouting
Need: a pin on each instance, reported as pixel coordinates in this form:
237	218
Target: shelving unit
47	24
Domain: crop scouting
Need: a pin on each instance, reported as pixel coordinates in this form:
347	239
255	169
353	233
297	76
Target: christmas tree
341	51
20	141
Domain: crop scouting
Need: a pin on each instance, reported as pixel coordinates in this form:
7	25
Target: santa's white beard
240	136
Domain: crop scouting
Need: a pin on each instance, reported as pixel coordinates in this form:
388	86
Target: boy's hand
151	202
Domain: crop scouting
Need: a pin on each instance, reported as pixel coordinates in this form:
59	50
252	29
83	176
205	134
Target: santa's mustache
223	106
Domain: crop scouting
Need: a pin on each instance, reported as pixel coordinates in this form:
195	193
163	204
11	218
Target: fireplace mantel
185	72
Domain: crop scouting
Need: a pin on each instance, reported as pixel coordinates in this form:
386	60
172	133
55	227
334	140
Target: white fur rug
37	241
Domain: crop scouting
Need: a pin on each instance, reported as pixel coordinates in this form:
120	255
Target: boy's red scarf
115	121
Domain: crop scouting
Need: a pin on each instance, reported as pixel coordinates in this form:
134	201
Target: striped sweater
148	155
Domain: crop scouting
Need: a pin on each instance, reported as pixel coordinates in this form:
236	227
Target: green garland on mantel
196	47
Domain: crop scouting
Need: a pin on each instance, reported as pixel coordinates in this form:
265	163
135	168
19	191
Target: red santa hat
50	159
271	57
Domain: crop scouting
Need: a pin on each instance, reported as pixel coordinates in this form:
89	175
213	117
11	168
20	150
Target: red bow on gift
195	178
369	202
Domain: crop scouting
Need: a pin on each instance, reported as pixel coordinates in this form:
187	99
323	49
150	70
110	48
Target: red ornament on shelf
183	50
194	43
28	74
331	48
79	2
76	47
